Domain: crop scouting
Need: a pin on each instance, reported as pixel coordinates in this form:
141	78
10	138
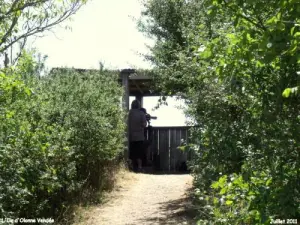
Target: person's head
135	104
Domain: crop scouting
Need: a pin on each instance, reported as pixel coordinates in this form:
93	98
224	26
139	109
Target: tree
20	19
233	65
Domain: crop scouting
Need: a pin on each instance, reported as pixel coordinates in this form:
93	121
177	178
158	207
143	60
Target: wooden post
140	99
125	82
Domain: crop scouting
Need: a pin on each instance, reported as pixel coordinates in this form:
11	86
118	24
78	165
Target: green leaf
206	54
292	30
223	190
216	200
297	34
259	64
182	148
228	202
272	20
28	91
269	181
215	185
286	93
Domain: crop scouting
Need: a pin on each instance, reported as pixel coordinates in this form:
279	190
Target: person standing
148	139
137	123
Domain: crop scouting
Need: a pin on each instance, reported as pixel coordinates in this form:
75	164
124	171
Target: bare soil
145	199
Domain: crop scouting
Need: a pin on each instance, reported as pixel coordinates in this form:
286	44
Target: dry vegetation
122	180
141	199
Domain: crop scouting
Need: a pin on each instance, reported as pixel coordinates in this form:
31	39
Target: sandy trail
146	199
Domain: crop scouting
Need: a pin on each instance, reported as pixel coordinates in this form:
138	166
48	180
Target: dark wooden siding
164	148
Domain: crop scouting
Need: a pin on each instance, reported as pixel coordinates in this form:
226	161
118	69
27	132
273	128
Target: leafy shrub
236	63
56	133
88	105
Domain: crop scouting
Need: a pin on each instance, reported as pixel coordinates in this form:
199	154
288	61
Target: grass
89	199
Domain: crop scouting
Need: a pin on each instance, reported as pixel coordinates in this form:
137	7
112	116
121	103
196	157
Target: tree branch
10	10
38	28
22	45
26	5
244	17
8	33
252	22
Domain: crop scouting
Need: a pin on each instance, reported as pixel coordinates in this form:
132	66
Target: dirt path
146	199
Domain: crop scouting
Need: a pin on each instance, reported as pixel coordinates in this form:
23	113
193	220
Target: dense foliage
236	63
57	133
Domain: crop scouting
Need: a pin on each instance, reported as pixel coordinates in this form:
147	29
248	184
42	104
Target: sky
170	115
106	31
102	30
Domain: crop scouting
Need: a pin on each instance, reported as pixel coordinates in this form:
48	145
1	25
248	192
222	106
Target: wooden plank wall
173	156
166	141
164	149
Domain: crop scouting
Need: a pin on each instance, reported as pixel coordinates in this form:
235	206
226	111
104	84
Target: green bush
236	63
56	133
88	106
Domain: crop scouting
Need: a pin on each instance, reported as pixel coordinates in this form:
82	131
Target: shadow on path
152	171
179	211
